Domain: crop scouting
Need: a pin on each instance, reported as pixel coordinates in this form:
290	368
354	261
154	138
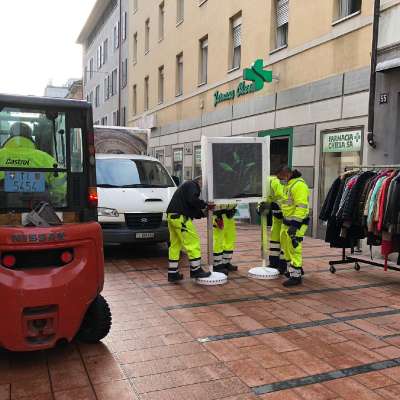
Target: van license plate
146	235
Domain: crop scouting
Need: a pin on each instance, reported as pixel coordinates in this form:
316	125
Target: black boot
221	268
230	267
287	274
292	281
174	278
283	268
200	273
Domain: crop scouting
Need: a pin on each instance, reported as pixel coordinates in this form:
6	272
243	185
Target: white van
134	192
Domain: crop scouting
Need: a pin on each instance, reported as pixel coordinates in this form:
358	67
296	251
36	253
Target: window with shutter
237	36
180	11
282	12
161	84
348	7
236	32
134	99
147	36
146	93
135	47
161	21
105	51
203	61
179	74
282	23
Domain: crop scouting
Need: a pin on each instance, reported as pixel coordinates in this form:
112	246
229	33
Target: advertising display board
235	169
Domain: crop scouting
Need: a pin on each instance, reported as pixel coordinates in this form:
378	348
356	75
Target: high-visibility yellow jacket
276	192
295	207
21	152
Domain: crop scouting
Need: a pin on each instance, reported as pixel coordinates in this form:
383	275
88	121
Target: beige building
185	80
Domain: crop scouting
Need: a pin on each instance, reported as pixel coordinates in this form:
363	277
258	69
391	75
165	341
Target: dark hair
281	168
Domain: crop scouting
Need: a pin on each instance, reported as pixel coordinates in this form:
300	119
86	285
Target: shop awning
388	65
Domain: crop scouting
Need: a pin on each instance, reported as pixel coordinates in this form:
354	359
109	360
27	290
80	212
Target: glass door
340	150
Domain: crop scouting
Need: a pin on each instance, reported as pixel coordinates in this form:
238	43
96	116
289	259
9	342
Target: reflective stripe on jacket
295	207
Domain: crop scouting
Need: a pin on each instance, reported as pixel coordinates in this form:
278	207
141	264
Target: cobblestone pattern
160	348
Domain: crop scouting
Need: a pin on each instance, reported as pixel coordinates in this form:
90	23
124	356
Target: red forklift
51	247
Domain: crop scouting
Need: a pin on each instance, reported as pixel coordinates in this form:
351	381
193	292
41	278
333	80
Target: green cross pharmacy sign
342	141
255	74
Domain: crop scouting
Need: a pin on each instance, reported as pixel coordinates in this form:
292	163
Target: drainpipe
120	62
372	88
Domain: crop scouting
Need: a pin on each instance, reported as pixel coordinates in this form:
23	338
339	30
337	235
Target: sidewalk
335	337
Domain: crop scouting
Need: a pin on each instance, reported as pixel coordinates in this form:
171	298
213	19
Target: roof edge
93	18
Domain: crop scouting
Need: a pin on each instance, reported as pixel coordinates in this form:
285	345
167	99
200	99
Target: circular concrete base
263	273
216	278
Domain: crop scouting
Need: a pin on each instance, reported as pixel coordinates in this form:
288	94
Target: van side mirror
176	180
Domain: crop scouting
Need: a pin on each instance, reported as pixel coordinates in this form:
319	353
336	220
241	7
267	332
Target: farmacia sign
256	74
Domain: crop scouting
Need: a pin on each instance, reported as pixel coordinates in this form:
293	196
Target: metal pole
264	239
374	60
210	240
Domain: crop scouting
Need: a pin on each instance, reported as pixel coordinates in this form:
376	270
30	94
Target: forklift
51	246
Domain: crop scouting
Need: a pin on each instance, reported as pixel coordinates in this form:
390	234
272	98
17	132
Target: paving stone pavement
335	337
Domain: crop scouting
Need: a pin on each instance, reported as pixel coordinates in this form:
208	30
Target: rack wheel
332	269
357	266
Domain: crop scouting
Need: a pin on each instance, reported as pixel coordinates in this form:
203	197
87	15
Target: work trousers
224	240
293	255
183	235
275	243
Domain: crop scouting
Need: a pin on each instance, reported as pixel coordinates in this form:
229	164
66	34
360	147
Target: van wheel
97	322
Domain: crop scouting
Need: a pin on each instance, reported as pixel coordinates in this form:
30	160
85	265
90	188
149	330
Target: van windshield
125	173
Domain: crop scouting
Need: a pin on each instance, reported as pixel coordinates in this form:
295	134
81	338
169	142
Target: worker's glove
295	242
210	206
275	207
292	231
230	213
220	223
263	208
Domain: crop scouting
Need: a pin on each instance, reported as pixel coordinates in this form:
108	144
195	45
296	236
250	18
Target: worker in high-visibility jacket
19	151
295	210
224	237
272	204
185	206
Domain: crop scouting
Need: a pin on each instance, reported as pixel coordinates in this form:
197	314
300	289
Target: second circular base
263	273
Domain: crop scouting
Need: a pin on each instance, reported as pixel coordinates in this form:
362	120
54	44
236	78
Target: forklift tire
97	322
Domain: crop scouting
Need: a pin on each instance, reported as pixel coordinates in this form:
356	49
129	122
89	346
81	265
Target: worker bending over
295	210
224	237
185	206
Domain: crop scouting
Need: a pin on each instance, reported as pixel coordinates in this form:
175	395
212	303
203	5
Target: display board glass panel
235	170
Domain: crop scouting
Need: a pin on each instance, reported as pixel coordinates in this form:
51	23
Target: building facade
387	95
105	61
71	90
186	64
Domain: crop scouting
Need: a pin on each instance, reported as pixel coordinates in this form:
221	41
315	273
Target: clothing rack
352	258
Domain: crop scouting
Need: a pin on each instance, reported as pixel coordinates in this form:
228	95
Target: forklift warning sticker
24	182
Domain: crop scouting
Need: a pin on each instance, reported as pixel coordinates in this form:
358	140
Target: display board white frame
207	167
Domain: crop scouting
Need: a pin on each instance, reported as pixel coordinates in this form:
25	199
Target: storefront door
340	150
280	151
281	147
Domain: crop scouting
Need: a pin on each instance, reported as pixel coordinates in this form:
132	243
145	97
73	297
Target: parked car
134	192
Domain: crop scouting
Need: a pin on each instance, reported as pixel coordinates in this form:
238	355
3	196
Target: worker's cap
21	129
